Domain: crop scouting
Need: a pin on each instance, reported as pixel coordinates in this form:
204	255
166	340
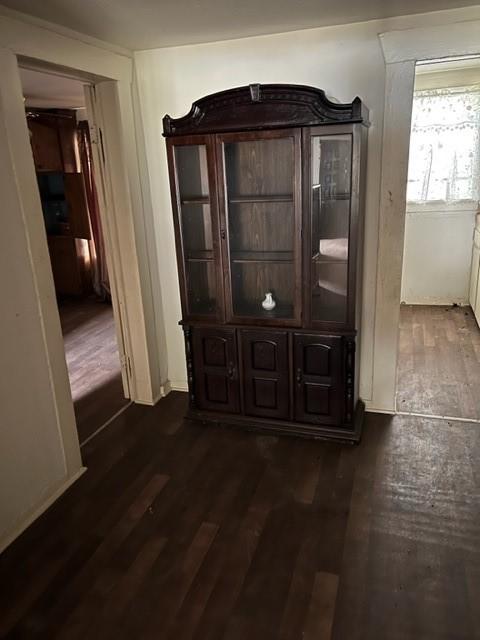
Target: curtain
445	145
101	283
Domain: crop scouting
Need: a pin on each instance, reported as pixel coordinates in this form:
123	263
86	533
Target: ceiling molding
36	46
146	24
65	31
428	43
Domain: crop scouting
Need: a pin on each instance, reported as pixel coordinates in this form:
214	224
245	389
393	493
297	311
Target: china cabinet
267	185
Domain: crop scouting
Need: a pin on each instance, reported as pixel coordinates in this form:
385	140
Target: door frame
402	50
127	203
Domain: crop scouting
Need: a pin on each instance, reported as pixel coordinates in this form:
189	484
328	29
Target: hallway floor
180	531
93	363
439	361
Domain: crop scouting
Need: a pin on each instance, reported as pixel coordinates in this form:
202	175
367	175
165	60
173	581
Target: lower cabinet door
215	369
265	373
318	379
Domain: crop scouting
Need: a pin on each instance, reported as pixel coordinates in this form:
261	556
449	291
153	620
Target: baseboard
179	385
37	512
370	408
165	389
163	393
432	416
104	425
437	302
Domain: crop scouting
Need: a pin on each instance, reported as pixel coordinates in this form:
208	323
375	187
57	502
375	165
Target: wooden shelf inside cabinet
200	255
321	259
341	196
195	200
255	199
261	256
333	197
257	311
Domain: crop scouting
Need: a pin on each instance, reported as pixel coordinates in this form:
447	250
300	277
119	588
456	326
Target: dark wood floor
439	361
93	363
182	531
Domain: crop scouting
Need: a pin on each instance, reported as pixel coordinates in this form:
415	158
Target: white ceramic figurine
269	303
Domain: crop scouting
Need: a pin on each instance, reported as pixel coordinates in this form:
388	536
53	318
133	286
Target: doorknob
299	376
231	371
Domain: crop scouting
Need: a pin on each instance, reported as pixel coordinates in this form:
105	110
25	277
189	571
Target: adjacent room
62	152
439	342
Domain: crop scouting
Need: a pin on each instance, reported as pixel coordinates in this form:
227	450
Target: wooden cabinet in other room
63	197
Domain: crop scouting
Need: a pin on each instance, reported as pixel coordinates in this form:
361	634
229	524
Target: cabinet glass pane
192	171
201	286
260	177
331	163
196	228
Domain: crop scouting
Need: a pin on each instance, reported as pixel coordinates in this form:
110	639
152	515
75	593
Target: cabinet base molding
348	434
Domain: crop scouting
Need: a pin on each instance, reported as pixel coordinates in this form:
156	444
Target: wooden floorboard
93	363
439	361
180	530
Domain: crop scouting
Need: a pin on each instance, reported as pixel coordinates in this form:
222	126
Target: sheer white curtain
444	160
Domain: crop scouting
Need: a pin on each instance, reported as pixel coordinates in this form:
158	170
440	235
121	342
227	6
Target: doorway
62	152
438	371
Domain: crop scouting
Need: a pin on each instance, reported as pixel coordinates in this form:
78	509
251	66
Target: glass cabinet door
261	218
330	193
194	208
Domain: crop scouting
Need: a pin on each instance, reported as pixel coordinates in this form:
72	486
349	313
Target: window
445	145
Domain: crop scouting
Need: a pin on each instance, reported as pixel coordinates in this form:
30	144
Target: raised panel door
215	369
265	373
318	378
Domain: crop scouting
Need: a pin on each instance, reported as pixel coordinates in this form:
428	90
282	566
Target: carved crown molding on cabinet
264	106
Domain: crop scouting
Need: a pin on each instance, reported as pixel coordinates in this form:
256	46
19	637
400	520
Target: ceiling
51	91
146	24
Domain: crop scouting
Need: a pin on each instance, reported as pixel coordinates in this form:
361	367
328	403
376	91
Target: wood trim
253	325
401	50
187	334
396	141
345	433
433	42
263	106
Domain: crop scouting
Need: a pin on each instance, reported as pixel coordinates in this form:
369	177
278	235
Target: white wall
39	450
345	61
437	255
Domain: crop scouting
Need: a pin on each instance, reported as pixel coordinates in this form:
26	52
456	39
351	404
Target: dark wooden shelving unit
267	187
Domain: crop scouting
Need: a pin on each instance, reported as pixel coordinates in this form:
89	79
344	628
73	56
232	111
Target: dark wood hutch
267	185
